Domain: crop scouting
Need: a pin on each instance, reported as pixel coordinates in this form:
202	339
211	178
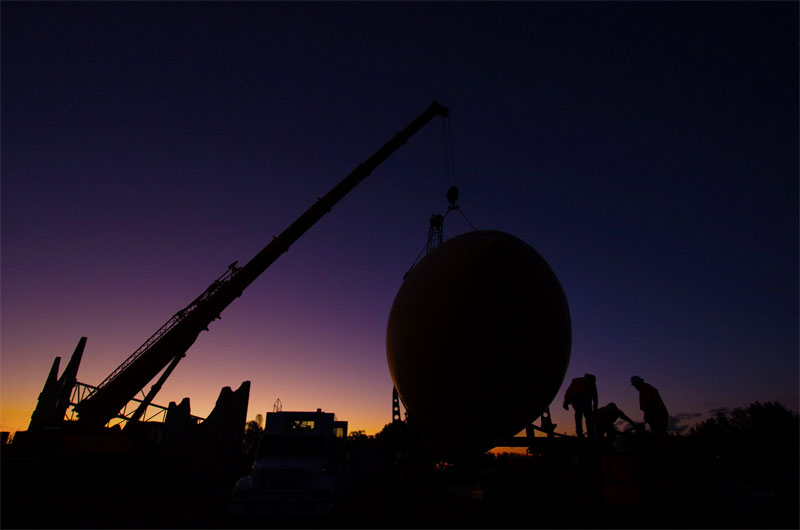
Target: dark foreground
565	484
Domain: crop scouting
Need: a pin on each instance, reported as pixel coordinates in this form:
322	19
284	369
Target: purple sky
648	151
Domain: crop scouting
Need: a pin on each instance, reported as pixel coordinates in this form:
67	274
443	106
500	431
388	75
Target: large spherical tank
478	340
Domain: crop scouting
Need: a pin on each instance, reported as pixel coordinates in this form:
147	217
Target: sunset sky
648	151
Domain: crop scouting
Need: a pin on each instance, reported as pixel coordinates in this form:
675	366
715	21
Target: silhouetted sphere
478	340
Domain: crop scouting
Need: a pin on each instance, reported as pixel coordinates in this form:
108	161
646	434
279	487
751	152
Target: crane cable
452	192
448	153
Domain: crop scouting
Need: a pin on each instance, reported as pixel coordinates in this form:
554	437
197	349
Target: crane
169	344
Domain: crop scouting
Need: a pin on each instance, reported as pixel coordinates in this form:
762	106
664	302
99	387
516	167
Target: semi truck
299	467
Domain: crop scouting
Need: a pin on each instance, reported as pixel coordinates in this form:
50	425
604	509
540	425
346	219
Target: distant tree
763	422
355	435
761	439
252	433
392	429
253	426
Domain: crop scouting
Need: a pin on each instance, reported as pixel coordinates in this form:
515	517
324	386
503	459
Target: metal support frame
82	391
435	232
148	399
396	406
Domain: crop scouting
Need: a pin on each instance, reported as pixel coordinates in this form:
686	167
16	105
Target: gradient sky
648	151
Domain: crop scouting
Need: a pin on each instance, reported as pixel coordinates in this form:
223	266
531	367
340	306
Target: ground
563	484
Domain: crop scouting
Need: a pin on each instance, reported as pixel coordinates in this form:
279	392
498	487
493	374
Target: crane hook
452	197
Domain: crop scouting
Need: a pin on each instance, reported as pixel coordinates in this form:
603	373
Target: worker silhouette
582	395
655	412
606	417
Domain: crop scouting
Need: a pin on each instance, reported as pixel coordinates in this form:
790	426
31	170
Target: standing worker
655	412
582	395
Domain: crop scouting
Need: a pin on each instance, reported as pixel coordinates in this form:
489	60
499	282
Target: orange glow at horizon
17	416
14	418
22	383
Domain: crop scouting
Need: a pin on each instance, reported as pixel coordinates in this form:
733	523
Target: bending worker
655	412
606	417
582	395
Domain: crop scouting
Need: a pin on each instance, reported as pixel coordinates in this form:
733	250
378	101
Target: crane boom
173	339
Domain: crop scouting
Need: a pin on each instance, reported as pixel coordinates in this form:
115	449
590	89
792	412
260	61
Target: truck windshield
291	446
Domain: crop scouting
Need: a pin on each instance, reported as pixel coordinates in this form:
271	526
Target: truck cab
298	467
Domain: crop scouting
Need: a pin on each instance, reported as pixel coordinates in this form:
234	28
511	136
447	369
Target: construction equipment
299	468
169	344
